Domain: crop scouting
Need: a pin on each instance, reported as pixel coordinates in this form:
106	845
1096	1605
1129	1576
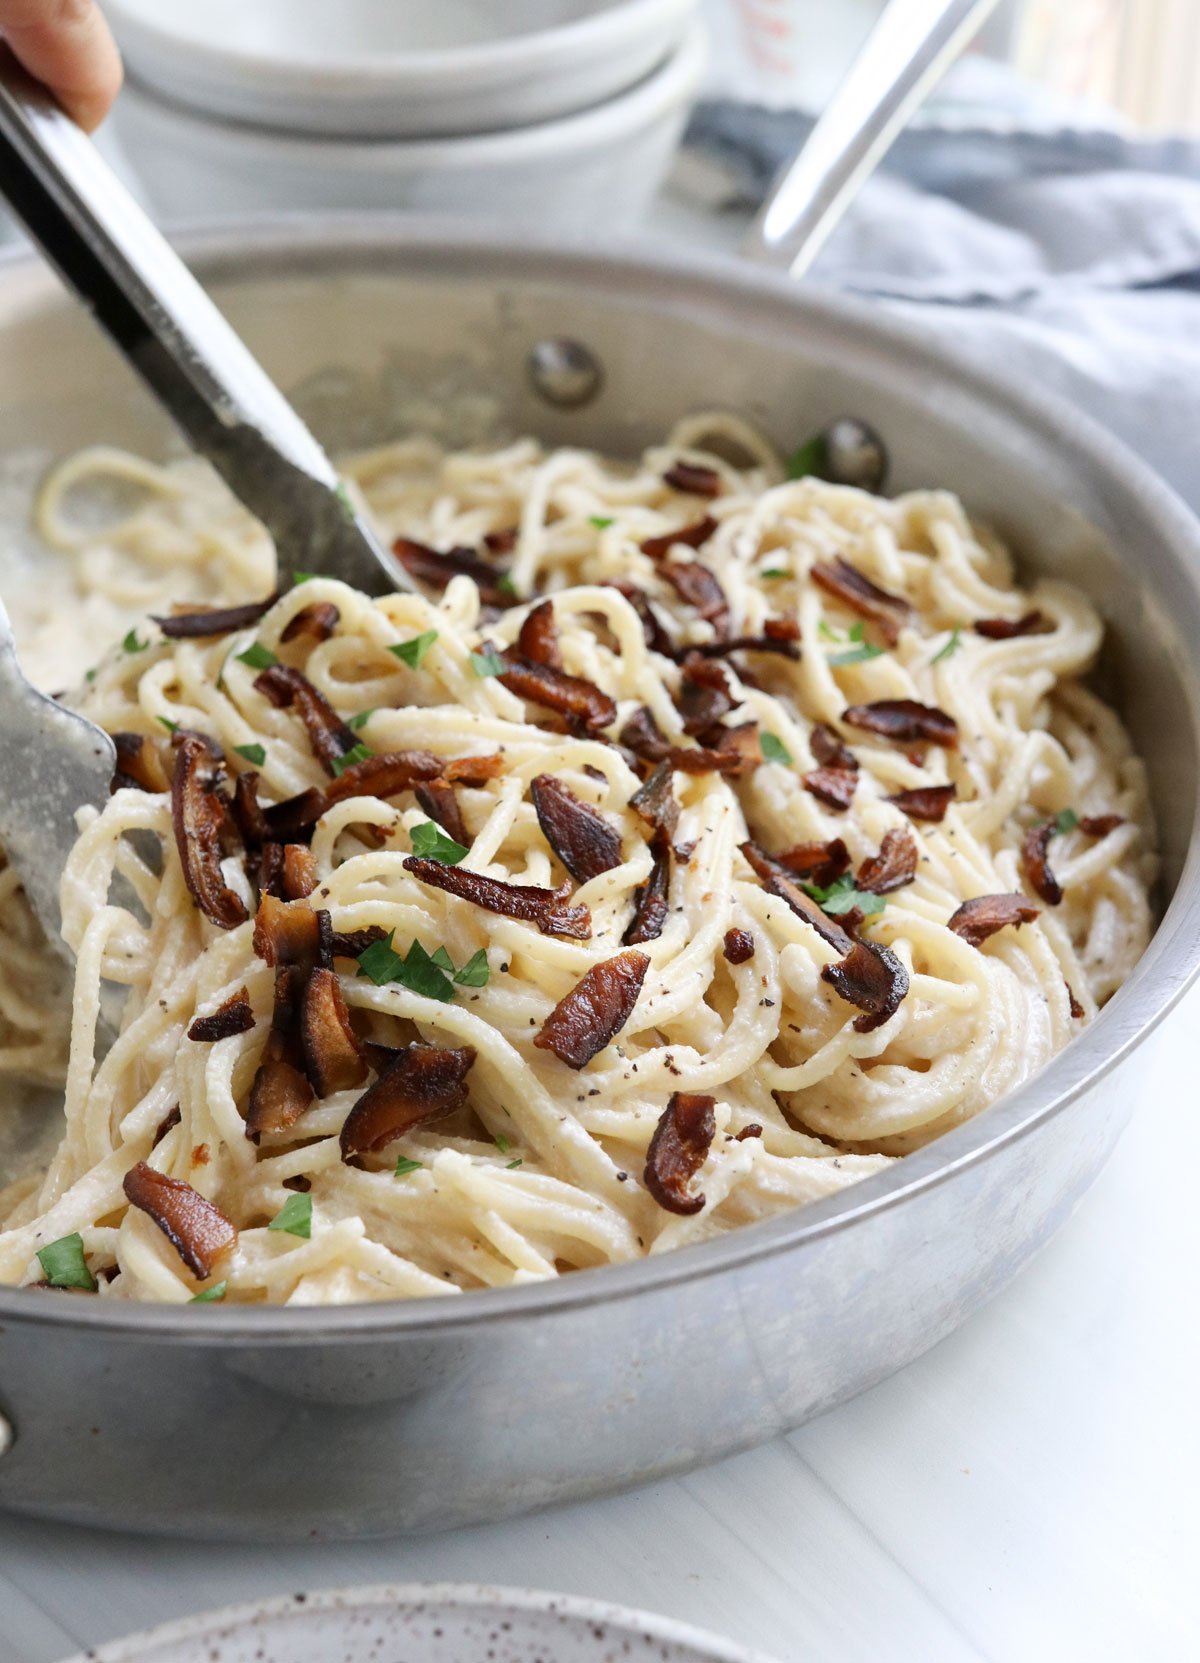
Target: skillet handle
906	54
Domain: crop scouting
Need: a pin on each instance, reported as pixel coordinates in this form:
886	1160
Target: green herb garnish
487	664
64	1263
475	971
505	584
255	754
378	962
350	759
502	1143
89	676
302	577
359	722
431	841
171	727
773	749
404	1166
842	896
1065	821
431	974
132	644
949	647
257	656
600	521
295	1216
775	571
217	1291
513	1165
413	652
829	634
420	974
810	458
856	655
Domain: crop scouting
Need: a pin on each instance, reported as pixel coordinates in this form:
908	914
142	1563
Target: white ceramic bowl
395	68
439	1623
591	172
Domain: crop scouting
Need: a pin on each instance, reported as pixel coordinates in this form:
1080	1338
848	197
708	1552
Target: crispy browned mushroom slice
333	1058
233	1016
1099	825
657	636
643	736
829	752
705	694
281	1091
677	1151
835	787
537	639
196	1229
1035	863
421	1083
923	802
894	865
473	770
386	775
299	876
595	1010
140	763
286	932
650	908
854	589
548	909
209	621
199	814
312	623
817	863
904	722
655	801
440	801
779	882
437	566
738	946
1076	1008
349	944
289	689
580	836
694	479
701	589
983	915
872	978
692	536
1004	629
572	696
777	637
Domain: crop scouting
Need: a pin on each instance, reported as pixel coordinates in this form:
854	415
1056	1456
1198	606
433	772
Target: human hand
67	46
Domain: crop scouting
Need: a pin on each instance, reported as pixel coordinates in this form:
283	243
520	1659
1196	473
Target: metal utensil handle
906	54
106	249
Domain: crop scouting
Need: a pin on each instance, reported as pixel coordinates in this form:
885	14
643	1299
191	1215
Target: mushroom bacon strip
384	776
904	722
677	1151
643	736
691	536
694	479
580	836
313	623
1036	865
924	802
198	814
702	590
704	694
234	1016
537	639
894	866
287	932
328	735
437	566
1004	629
596	1009
195	626
421	1083
1099	825
572	696
776	881
298	875
656	802
197	1229
817	863
829	752
982	916
547	909
835	787
657	637
471	770
139	764
281	1091
440	801
333	1058
651	908
871	977
855	590
772	640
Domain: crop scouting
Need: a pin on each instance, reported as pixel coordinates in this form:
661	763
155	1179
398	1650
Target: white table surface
1028	1491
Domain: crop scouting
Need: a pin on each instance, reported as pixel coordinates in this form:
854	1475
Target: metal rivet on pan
7	1436
565	372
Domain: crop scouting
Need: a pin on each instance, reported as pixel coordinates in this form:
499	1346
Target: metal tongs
137	288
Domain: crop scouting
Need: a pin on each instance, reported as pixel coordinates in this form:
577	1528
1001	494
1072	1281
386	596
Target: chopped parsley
773	749
1065	821
842	896
252	753
404	1166
132	644
171	727
502	1143
359	722
861	654
294	1217
513	1165
829	634
64	1263
431	974
430	840
775	571
812	457
257	656
487	664
217	1291
350	759
413	652
600	521
505	584
89	676
949	647
302	577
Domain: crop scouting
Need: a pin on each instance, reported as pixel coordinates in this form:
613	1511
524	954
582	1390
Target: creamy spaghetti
747	1000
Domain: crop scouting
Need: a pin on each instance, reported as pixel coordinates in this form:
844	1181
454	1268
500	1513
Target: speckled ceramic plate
439	1623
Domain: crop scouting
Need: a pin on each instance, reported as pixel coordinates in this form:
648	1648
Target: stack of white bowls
563	113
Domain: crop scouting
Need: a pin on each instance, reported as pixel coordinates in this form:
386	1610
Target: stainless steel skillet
225	1421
